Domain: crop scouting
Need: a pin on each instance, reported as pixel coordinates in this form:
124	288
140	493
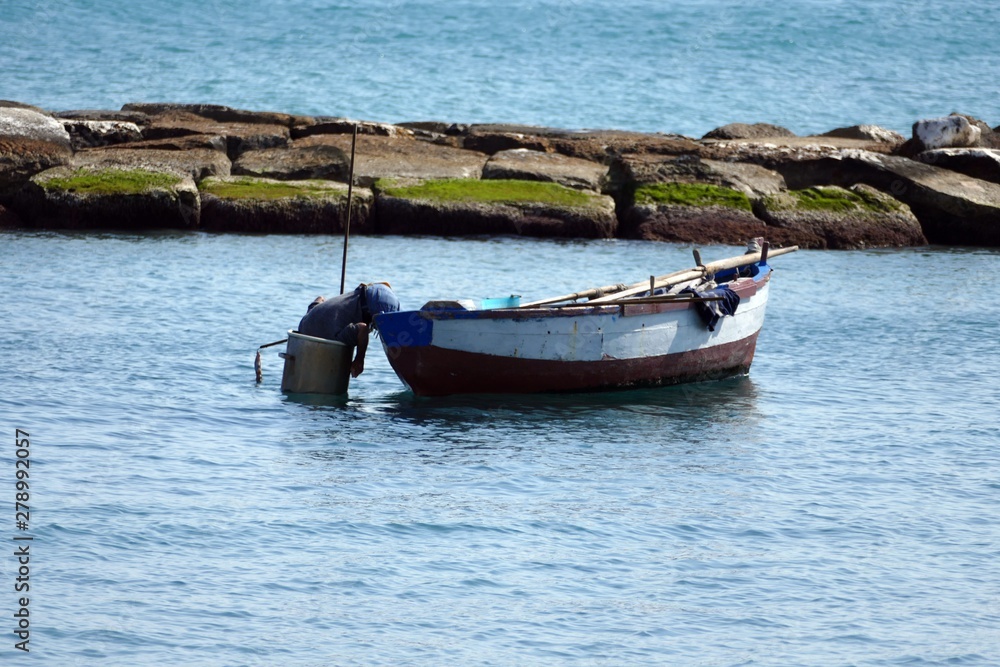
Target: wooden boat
657	332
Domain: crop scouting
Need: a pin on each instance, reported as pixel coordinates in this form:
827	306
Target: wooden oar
586	294
600	295
666	298
700	272
593	293
668	281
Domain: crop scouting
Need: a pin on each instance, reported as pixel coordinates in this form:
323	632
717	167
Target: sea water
686	67
838	506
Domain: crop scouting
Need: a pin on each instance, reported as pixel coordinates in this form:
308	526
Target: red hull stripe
434	371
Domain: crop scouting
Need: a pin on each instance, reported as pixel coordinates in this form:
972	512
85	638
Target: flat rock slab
401	216
216	112
65	198
188	142
748	131
605	145
531	165
870	133
495	207
981	163
195	163
240	137
297	162
93	133
755	181
403	158
836	218
30	142
787	152
246	204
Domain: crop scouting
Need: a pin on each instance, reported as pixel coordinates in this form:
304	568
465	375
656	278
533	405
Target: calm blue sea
839	506
686	66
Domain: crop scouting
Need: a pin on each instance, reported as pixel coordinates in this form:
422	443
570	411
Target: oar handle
599	295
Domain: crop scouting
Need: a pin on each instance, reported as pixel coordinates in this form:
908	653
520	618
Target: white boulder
947	132
18	123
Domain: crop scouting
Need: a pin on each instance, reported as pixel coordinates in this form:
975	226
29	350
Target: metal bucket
315	365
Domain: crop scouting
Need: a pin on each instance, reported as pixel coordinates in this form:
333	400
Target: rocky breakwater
221	169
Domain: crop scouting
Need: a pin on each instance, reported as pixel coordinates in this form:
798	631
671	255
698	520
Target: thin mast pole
347	225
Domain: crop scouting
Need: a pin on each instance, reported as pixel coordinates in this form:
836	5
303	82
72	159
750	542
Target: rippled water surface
686	66
839	506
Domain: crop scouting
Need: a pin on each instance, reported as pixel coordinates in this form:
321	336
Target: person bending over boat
348	318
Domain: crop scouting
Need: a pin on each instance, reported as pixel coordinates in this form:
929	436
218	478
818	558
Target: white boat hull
575	348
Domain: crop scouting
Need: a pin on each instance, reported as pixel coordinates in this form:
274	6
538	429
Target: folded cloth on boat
713	311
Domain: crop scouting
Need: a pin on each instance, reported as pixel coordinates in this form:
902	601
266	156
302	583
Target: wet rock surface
247	204
470	206
108	198
693	224
405	216
838	218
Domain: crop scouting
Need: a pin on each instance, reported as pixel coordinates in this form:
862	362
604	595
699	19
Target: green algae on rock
691	194
248	204
95	198
248	187
527	165
470	206
498	191
838	200
690	213
834	217
108	181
